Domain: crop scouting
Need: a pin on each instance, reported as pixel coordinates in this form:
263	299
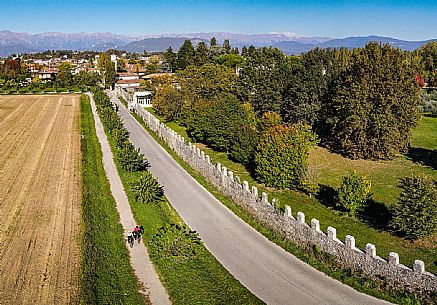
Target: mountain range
289	43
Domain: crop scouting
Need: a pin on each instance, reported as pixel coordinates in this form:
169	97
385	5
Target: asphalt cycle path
139	255
272	274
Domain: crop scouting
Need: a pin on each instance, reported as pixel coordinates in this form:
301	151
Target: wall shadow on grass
423	156
376	215
327	196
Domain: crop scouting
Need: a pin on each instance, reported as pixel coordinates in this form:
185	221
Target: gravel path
267	270
140	260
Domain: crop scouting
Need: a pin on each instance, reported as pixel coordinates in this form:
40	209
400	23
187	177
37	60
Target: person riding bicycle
130	238
141	229
137	234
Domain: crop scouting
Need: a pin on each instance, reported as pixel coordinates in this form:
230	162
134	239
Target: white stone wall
295	228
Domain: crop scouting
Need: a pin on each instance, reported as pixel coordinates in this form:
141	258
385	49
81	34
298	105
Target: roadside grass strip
200	280
301	202
106	274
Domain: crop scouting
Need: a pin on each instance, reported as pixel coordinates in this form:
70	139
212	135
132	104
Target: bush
175	242
243	148
415	213
281	156
353	193
146	189
131	159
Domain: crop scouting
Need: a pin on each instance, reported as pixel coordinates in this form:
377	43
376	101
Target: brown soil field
40	199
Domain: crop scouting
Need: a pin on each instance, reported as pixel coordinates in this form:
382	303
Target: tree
168	102
109	74
227	46
353	193
146	189
64	77
245	140
230	60
185	55
415	213
170	58
201	54
213	42
216	121
101	63
263	79
281	157
428	62
374	108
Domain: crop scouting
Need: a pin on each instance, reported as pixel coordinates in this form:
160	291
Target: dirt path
39	199
140	260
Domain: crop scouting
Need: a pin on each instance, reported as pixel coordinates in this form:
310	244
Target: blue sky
411	20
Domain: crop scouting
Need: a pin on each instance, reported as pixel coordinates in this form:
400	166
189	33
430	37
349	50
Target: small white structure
143	98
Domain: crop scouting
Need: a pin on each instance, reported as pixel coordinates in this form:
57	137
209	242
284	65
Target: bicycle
130	241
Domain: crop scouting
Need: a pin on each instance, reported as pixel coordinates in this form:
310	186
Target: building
143	98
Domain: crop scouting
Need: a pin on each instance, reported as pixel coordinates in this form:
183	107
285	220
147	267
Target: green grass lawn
202	280
106	274
371	227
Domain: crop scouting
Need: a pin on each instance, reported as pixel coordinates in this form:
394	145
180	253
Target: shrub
310	179
415	213
131	159
146	189
175	242
281	156
353	193
243	148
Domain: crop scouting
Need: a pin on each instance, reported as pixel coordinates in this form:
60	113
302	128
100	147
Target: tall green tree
227	46
428	63
374	108
185	55
201	54
64	77
415	213
170	58
109	74
264	78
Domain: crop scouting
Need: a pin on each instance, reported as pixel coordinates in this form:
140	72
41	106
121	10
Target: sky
409	20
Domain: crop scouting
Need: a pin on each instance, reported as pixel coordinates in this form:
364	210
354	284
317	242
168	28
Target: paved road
139	255
268	271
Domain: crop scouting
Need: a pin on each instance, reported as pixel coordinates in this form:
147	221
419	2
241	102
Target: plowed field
40	199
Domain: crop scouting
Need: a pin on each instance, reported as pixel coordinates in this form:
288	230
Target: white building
143	98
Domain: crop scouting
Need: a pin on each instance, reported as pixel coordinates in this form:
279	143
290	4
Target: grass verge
372	224
320	261
202	280
106	273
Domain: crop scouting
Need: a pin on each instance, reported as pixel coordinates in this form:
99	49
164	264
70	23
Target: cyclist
137	234
130	238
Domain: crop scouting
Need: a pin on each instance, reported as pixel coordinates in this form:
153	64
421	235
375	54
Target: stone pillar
315	224
202	153
287	212
231	175
350	241
419	266
246	185
332	233
371	250
219	167
274	203
225	171
265	198
208	159
254	191
198	151
393	258
300	217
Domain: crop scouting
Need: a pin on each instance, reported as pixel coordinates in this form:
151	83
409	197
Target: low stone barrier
366	261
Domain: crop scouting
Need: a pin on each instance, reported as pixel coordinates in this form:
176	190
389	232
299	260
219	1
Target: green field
371	226
202	280
106	274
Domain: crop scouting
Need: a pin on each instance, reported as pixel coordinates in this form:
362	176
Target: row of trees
202	54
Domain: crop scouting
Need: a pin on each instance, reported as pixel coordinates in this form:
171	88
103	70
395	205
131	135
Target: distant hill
293	47
289	43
